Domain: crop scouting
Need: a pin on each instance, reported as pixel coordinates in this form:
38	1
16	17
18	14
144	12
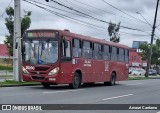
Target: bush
2	67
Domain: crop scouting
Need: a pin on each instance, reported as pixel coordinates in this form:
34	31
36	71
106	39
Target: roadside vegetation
14	83
137	78
5	67
6	64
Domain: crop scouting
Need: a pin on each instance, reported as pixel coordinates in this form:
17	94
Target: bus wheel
76	81
46	85
112	81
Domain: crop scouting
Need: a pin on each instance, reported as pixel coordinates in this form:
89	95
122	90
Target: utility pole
152	37
17	40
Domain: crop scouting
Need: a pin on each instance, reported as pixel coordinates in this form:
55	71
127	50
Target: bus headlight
25	70
54	71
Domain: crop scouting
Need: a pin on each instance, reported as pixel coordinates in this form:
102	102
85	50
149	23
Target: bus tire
76	83
46	85
112	81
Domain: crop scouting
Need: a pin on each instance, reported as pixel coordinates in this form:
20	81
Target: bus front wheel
76	83
46	85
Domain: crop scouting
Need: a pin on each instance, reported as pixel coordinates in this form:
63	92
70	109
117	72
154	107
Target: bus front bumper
38	78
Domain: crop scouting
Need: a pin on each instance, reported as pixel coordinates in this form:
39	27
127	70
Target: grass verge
3	67
7	76
143	77
15	83
137	78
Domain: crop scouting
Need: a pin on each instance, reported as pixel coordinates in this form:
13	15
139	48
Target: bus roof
82	37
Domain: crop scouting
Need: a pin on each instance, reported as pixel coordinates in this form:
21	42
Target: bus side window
66	50
87	49
97	52
121	56
114	54
76	48
126	55
106	52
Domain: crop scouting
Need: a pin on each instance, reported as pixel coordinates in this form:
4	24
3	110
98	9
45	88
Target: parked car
130	70
152	72
138	72
158	71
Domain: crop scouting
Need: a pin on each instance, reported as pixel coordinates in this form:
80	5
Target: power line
133	34
4	10
127	13
64	16
57	8
123	12
91	17
103	10
81	8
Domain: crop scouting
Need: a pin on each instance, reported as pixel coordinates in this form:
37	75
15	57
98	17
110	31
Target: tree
144	51
9	22
156	53
113	31
155	59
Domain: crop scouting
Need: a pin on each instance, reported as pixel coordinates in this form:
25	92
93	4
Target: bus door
88	67
98	64
66	64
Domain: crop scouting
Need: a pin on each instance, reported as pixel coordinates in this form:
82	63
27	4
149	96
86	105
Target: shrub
2	67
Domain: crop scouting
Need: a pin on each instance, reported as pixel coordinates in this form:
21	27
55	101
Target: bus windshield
40	51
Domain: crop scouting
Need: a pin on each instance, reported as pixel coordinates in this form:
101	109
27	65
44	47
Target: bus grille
41	68
37	77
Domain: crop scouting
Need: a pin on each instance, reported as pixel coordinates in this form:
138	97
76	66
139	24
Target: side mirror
65	44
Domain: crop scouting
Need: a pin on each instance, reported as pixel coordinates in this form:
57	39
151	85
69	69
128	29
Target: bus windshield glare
40	51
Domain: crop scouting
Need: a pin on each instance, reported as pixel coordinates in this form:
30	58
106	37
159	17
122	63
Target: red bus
61	57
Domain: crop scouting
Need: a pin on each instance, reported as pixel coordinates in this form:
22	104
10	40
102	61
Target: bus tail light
25	70
54	71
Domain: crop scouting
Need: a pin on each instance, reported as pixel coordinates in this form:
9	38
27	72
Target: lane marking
118	97
63	91
158	112
134	84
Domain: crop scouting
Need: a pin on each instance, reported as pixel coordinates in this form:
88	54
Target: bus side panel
78	64
66	74
98	71
88	68
120	69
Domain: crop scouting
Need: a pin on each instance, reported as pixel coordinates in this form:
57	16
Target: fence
6	69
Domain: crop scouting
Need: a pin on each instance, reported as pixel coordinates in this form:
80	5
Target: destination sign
40	34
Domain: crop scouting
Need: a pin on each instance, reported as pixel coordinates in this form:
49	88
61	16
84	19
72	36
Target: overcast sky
95	8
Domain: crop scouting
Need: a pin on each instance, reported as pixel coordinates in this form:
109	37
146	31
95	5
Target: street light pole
17	39
152	37
144	18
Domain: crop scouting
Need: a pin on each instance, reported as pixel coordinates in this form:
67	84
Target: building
3	51
135	60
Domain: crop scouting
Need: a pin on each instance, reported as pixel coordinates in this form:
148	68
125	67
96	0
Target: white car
138	72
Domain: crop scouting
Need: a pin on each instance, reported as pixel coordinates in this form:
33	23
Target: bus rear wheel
112	81
76	81
46	85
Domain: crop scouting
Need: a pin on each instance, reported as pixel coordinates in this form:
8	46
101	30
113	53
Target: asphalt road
125	92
